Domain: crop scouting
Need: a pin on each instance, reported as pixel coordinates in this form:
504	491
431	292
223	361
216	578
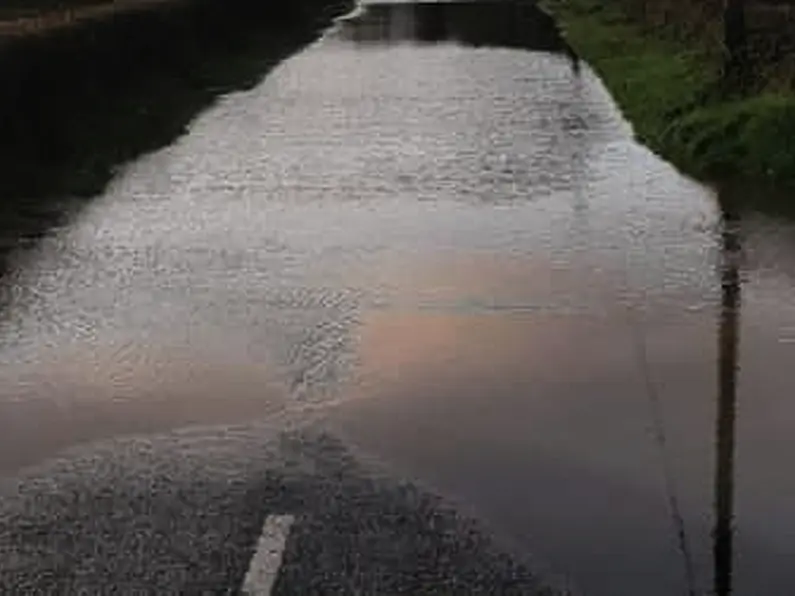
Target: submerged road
415	313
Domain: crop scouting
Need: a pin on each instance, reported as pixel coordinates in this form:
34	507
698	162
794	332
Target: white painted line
264	566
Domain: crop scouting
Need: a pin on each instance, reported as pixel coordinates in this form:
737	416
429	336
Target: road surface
239	511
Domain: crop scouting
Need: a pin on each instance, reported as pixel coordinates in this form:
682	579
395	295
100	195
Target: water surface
451	236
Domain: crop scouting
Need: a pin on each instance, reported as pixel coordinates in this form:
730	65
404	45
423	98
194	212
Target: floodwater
435	224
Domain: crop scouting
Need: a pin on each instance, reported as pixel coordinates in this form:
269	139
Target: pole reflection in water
728	342
478	23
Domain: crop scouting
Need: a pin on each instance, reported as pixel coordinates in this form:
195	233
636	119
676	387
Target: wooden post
735	43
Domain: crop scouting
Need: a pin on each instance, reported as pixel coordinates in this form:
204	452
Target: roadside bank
667	81
82	97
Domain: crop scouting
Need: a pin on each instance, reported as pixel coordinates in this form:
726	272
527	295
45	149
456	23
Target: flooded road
438	231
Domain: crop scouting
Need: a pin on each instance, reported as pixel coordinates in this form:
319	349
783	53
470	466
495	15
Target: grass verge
669	91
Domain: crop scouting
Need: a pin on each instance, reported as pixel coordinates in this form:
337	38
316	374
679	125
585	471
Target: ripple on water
465	240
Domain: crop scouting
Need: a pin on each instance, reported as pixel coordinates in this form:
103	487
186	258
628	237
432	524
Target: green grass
752	137
670	91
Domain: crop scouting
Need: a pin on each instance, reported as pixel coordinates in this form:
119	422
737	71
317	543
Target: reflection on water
508	24
458	247
728	362
530	413
94	390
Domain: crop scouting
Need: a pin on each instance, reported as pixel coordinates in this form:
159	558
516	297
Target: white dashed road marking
265	563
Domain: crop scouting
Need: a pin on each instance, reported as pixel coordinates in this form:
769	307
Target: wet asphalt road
182	513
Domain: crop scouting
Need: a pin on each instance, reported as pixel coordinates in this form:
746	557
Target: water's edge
671	92
98	94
